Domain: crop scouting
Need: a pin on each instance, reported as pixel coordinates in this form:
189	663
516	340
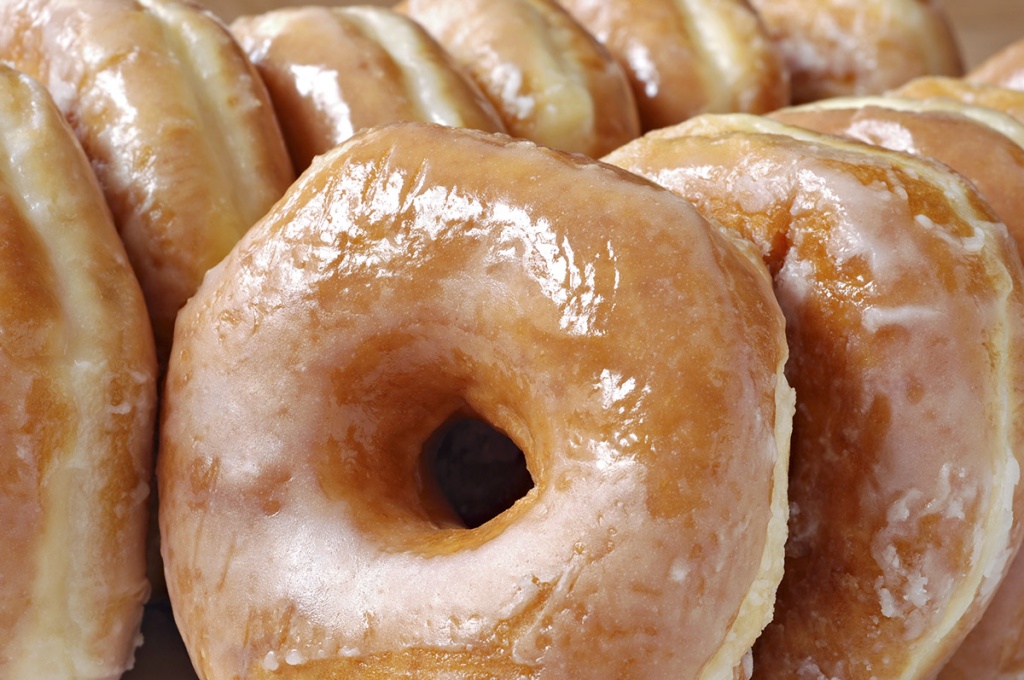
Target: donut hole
478	471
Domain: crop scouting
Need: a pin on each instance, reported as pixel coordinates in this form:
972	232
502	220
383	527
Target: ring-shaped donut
631	351
1005	68
551	81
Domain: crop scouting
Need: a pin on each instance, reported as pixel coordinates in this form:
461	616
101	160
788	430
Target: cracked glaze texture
633	353
904	312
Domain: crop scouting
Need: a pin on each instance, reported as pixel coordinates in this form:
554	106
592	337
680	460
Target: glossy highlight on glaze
632	352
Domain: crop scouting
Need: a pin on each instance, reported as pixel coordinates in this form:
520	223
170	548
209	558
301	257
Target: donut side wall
76	409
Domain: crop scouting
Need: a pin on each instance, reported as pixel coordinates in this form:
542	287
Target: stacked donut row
630	345
579	75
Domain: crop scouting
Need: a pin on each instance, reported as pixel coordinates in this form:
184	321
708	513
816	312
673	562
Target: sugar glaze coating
419	271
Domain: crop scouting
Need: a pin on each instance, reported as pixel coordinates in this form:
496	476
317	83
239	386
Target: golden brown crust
174	120
76	410
859	47
550	80
686	57
904	478
334	71
580	315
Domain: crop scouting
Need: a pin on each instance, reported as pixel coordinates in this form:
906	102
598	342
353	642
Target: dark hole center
479	471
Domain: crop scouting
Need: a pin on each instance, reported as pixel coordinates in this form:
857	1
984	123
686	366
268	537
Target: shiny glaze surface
686	57
76	409
633	353
980	144
904	310
334	71
859	47
1004	68
550	80
1006	100
174	119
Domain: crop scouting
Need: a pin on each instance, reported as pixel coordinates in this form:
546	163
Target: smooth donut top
686	57
550	80
904	312
948	131
859	47
633	354
76	409
334	71
175	121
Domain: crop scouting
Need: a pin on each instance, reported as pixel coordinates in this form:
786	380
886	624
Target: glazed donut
983	145
1005	68
417	274
686	57
1010	102
859	47
76	411
549	79
175	121
904	314
332	72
